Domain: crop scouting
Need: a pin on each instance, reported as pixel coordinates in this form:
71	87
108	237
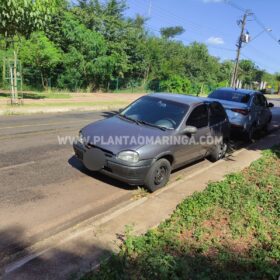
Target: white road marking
44	124
17	165
12	267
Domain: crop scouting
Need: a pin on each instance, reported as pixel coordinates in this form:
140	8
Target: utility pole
150	8
239	46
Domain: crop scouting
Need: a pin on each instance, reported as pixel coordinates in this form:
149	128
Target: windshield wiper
153	125
130	119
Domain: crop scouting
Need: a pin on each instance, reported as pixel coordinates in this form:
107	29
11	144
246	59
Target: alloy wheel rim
222	149
160	175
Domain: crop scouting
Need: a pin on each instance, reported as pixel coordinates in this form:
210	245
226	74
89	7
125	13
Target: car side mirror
270	105
190	130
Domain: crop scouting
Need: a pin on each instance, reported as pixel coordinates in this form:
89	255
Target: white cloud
212	1
215	41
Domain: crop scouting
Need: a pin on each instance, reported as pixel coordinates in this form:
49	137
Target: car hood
120	129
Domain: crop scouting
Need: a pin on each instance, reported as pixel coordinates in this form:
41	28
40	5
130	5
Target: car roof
180	98
239	90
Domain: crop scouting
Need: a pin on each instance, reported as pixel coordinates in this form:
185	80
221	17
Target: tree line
92	45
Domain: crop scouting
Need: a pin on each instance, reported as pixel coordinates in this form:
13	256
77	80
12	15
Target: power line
260	64
233	5
275	60
187	24
197	28
259	22
256	18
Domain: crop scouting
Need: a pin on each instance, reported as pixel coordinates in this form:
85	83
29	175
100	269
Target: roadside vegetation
231	230
91	45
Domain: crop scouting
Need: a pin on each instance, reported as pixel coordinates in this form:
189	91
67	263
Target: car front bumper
133	174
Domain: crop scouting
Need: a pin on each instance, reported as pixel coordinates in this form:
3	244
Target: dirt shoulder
97	101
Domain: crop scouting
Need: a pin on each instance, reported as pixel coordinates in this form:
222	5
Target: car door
218	122
256	110
196	148
265	114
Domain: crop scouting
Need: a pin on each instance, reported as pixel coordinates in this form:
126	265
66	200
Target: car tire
219	151
158	175
249	135
266	126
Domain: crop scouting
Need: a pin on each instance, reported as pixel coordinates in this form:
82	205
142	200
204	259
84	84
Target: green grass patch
132	90
231	230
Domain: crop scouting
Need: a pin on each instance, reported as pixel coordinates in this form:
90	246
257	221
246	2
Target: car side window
258	100
198	117
263	101
217	113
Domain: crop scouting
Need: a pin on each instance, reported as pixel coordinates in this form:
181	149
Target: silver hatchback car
247	110
153	136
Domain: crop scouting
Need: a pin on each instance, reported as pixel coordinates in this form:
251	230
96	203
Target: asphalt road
43	188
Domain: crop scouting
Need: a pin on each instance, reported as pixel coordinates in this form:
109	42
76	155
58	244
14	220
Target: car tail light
244	112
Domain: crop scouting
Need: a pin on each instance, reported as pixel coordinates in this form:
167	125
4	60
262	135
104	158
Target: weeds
231	230
140	193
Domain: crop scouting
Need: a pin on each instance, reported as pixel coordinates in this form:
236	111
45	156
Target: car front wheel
158	175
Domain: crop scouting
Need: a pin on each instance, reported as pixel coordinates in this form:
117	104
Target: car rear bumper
114	168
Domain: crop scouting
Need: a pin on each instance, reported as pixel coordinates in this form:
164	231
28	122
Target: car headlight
81	138
129	156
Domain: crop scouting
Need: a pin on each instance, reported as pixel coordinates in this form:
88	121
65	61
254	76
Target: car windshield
233	96
157	112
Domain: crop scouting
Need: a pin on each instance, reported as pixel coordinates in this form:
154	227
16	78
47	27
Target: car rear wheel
249	135
266	126
219	151
158	175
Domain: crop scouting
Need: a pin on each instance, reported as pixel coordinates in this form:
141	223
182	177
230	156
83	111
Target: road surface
43	188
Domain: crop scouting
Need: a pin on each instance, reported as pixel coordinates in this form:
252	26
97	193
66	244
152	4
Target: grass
231	230
132	90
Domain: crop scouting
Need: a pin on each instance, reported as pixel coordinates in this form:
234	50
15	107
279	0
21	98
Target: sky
214	23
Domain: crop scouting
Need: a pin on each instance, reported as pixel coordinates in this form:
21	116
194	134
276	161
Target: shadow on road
75	163
72	262
18	261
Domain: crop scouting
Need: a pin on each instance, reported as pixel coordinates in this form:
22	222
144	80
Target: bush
176	84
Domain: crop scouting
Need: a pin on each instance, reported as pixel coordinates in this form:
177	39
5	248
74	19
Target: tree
85	61
278	81
171	32
41	54
125	38
20	18
176	84
200	66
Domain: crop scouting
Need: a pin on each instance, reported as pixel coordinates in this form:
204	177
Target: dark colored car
247	110
171	128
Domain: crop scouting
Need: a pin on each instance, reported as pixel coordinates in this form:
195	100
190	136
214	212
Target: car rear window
233	96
